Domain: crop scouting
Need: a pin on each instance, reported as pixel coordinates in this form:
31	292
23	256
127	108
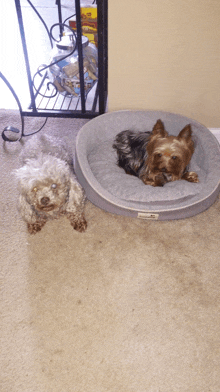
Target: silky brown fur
156	157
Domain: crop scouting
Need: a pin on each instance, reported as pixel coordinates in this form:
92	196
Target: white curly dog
48	187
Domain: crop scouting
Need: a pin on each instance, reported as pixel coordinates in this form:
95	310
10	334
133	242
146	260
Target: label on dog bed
148	215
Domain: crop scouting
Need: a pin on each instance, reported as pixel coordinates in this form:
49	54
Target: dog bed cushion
109	187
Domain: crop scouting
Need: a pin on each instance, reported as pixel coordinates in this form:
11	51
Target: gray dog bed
110	188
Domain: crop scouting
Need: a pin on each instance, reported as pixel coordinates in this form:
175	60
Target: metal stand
46	101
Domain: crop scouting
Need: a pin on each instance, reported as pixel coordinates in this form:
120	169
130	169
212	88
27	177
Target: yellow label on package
88	22
88	12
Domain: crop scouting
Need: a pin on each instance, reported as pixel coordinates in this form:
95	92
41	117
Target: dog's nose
164	170
45	200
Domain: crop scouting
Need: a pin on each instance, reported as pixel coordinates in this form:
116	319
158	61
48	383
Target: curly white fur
48	187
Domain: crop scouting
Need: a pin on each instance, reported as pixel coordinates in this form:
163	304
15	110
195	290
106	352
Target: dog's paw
191	177
159	179
80	225
34	228
147	181
78	222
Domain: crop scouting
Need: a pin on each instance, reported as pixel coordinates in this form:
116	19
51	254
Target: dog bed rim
117	202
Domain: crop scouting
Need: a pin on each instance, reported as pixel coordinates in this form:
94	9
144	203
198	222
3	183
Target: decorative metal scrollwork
44	67
10	130
8	134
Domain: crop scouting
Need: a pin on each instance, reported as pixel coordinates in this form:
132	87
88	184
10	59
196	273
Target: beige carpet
128	306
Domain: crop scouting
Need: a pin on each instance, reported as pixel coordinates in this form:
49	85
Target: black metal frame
100	96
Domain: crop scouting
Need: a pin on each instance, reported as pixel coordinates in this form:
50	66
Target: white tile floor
12	63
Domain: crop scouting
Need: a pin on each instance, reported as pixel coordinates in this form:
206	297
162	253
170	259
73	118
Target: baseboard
216	133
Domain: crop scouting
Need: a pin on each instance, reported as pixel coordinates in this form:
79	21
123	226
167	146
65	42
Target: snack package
88	22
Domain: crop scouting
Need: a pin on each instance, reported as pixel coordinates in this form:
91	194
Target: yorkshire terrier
155	157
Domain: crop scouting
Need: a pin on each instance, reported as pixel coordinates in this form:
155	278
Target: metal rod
21	27
80	53
105	60
58	3
102	53
61	113
9	128
100	56
95	99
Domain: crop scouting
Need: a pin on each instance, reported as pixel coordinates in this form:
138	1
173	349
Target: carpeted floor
128	306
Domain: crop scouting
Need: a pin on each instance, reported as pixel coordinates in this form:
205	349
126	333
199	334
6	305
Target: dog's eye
159	155
53	186
174	157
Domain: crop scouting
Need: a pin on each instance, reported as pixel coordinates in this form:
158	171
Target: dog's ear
26	210
159	130
76	196
186	133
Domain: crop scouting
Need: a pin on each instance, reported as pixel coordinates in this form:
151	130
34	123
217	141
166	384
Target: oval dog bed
110	188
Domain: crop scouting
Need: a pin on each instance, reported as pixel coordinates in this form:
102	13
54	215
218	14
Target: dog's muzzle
45	201
167	176
45	204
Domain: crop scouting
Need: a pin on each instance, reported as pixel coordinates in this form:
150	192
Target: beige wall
165	55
